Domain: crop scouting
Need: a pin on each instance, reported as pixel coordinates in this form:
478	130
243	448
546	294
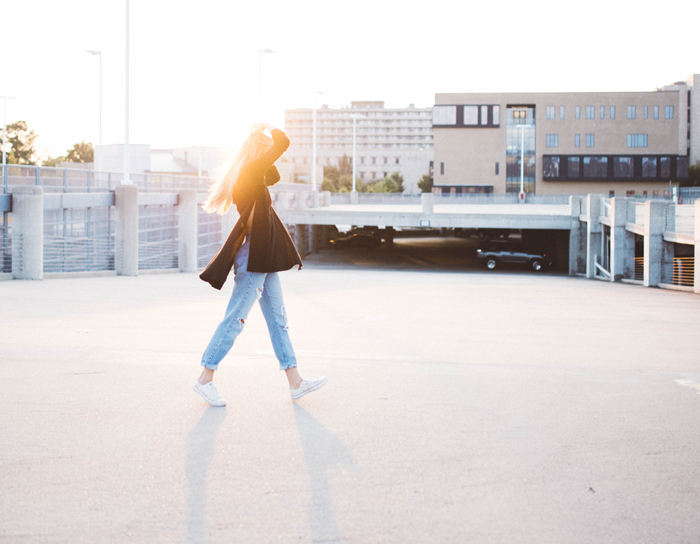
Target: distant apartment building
388	140
620	143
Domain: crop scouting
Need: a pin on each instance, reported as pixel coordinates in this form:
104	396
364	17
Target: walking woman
258	247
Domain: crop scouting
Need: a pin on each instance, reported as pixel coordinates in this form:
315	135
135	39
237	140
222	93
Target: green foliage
81	152
398	180
342	184
345	166
426	184
21	143
693	176
386	185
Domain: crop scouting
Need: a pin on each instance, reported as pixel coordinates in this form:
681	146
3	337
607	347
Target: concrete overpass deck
526	216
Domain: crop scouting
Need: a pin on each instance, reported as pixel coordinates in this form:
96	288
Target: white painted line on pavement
689	383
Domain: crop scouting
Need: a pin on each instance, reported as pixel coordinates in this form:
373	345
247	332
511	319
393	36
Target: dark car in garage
497	256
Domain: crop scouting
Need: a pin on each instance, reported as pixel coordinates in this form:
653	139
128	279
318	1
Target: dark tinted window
574	167
595	167
623	167
550	167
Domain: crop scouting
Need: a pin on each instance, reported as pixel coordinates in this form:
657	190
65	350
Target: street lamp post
355	117
98	167
127	179
313	145
4	132
271	52
521	195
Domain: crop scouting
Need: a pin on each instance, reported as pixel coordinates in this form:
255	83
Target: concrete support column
427	201
668	248
315	200
621	241
654	224
126	203
187	230
316	238
27	232
577	239
300	238
326	198
282	201
593	241
354	198
302	203
696	282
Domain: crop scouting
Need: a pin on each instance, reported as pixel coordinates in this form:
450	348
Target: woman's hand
259	127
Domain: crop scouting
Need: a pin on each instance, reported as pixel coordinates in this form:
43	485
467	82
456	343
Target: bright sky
194	64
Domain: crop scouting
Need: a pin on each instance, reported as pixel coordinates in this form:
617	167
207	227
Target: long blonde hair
221	193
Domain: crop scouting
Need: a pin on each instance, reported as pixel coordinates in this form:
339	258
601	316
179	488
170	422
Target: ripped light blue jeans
249	287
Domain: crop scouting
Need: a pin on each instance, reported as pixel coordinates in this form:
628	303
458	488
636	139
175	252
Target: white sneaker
308	386
209	393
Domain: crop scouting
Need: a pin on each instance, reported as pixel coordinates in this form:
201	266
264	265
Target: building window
602	112
656	112
577	140
590	112
362	160
444	115
590	140
665	167
668	112
648	167
574	167
682	167
386	160
629	194
636	140
577	112
612	112
374	160
611	194
397	160
497	165
646	112
561	112
550	167
631	112
471	115
484	115
550	112
552	140
595	167
442	168
623	167
496	114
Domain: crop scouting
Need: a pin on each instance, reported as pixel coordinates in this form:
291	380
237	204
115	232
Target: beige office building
619	143
388	140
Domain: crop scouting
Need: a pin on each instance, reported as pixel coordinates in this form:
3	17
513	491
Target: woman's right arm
268	157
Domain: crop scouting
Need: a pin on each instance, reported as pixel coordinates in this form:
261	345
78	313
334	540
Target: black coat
271	247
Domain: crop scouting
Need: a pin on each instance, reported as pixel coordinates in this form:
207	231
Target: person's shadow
199	452
323	451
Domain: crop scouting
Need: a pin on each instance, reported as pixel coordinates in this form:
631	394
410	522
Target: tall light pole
521	195
355	117
260	101
99	54
126	180
4	131
313	145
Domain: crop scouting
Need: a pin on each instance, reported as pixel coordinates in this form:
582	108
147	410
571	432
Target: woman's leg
272	305
247	287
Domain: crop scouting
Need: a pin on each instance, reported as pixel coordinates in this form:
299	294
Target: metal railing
79	239
684	271
5	243
209	239
158	237
688	195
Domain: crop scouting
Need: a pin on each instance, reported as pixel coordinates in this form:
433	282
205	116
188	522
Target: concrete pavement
462	407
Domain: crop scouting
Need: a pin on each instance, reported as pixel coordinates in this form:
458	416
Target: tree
426	184
82	152
345	165
21	140
398	180
693	176
386	185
